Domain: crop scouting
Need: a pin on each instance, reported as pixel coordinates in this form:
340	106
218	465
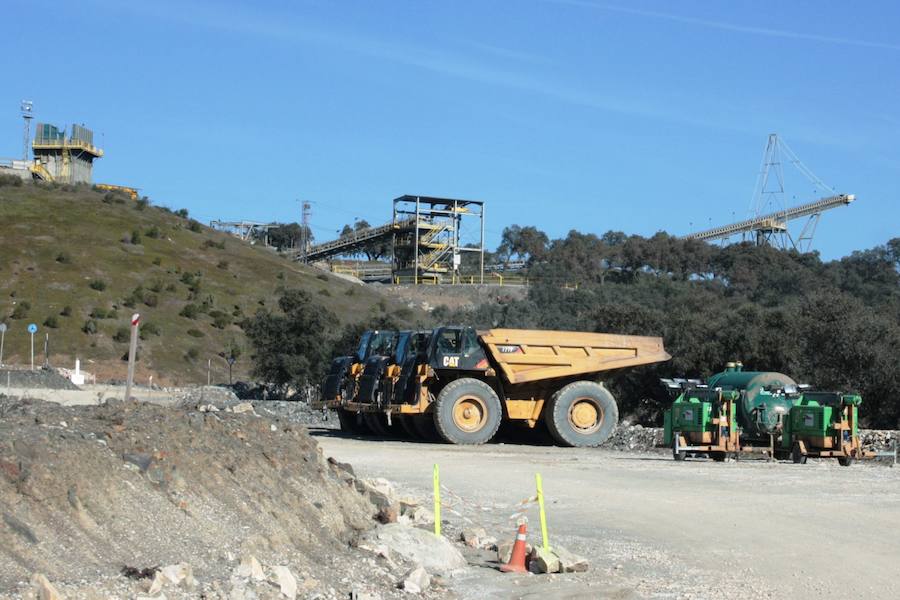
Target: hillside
79	262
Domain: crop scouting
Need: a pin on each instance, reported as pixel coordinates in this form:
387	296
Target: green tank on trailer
765	400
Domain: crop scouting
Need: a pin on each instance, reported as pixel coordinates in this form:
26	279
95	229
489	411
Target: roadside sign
132	354
2	339
2	327
32	329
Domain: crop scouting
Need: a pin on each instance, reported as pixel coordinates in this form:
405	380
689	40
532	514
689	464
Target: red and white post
132	351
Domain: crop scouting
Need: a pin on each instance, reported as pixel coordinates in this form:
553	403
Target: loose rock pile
97	499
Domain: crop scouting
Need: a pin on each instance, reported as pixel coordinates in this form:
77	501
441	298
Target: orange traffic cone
516	562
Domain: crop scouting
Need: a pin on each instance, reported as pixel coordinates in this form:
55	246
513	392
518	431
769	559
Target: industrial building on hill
58	157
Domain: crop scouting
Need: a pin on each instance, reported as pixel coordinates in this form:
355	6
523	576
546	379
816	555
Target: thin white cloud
764	31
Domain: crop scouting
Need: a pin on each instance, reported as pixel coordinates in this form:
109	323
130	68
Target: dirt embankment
86	491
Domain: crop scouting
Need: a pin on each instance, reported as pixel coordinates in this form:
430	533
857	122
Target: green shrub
135	237
151	300
280	275
52	322
97	284
195	333
89	327
182	212
324	292
142	203
10	180
153	233
192	354
122	335
64	258
156	286
157	261
21	310
223	264
171	287
190	311
195	226
214	244
99	313
147	329
66	311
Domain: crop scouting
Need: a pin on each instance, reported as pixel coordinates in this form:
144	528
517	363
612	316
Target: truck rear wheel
349	423
377	423
467	411
582	414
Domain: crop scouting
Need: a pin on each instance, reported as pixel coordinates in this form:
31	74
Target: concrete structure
16	168
62	158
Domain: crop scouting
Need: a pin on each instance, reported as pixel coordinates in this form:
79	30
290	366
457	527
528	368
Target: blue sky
633	116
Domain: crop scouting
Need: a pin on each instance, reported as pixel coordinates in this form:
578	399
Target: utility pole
305	214
27	108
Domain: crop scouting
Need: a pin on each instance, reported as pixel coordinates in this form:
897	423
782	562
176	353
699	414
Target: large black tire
845	461
718	456
349	423
408	426
467	411
582	414
424	426
377	423
797	455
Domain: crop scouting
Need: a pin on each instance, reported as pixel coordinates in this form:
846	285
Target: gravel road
653	528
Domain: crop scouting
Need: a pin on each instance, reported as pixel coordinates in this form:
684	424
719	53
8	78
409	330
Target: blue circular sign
32	328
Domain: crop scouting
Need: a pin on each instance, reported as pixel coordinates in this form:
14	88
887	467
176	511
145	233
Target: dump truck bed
526	355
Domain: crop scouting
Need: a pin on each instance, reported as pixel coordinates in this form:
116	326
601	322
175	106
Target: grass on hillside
78	262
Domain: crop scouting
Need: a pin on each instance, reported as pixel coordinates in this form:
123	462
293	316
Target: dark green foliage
135	237
66	311
182	212
52	322
122	335
151	300
89	327
142	203
324	292
10	180
101	313
157	261
190	311
195	226
214	244
148	329
192	354
223	264
153	232
195	333
21	310
97	284
291	346
64	258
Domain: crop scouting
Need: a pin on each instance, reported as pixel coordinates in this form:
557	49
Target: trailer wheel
845	461
582	414
797	455
348	422
718	456
467	411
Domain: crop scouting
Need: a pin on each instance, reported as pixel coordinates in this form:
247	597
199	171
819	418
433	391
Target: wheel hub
585	415
469	413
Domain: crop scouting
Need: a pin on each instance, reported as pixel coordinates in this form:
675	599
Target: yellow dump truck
464	382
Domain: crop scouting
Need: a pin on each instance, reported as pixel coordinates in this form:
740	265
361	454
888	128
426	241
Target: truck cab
456	348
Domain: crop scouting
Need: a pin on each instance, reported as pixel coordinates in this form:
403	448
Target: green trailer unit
824	425
702	421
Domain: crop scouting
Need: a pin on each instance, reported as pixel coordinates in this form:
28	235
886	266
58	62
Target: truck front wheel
467	411
582	414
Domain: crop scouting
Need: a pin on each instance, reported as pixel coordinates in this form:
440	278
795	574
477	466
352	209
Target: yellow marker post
437	501
540	494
